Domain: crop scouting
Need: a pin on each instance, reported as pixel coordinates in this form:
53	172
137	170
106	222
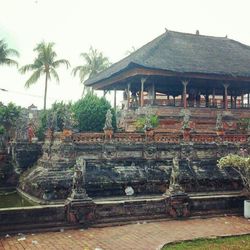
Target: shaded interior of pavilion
141	91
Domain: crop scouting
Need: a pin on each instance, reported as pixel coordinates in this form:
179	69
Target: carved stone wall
114	165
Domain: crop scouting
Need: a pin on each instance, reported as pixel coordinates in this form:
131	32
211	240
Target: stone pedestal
186	134
149	134
178	205
80	211
108	133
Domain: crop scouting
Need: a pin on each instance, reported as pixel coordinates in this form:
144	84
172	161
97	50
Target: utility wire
21	93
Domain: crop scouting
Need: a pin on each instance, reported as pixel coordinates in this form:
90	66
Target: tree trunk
45	91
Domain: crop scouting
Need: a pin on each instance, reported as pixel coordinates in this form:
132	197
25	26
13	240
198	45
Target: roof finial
226	36
166	30
197	32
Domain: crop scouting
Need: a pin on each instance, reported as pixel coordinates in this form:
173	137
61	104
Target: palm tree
44	63
94	61
5	52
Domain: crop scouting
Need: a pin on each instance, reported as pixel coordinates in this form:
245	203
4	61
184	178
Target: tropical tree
94	62
44	64
8	117
90	112
6	53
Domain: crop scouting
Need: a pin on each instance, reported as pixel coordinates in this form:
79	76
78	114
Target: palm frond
9	62
34	77
5	53
12	52
57	63
54	74
76	69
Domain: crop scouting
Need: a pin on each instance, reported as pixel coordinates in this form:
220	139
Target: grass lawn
227	243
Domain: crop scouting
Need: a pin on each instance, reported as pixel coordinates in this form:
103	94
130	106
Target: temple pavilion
203	74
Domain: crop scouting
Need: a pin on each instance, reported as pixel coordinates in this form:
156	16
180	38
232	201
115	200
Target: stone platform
126	160
117	211
137	236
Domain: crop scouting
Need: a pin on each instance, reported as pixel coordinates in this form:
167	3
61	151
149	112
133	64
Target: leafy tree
90	113
8	117
5	54
45	63
240	163
60	109
94	62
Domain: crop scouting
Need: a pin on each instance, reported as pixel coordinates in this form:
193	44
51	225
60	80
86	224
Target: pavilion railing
218	104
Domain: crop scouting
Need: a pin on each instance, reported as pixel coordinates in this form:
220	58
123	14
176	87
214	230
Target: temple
178	72
198	89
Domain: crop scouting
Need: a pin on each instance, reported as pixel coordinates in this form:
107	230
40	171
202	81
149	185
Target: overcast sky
111	26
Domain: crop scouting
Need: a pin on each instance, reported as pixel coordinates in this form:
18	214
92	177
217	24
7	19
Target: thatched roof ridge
186	53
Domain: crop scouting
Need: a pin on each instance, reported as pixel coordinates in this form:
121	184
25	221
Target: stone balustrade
157	137
88	137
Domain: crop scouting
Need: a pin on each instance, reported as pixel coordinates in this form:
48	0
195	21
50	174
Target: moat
11	198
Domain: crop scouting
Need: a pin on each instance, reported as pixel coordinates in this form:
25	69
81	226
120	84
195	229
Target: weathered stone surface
111	167
24	155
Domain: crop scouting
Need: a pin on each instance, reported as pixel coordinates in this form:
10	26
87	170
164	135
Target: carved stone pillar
225	95
184	83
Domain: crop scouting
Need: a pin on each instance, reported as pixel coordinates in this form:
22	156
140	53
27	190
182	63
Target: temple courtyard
138	236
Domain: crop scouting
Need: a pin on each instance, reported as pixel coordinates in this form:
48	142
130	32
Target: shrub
90	111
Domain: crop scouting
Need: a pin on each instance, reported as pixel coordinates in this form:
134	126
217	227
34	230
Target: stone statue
108	121
21	127
174	185
219	124
174	179
186	121
78	190
67	119
54	121
134	103
148	125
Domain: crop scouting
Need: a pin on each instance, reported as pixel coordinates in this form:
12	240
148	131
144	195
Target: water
11	198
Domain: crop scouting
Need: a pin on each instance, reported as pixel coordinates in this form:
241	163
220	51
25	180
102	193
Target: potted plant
241	164
146	123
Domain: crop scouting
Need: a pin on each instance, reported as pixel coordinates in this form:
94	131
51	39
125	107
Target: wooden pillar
242	100
225	96
235	101
213	100
153	94
184	83
115	100
143	80
128	95
248	100
207	100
